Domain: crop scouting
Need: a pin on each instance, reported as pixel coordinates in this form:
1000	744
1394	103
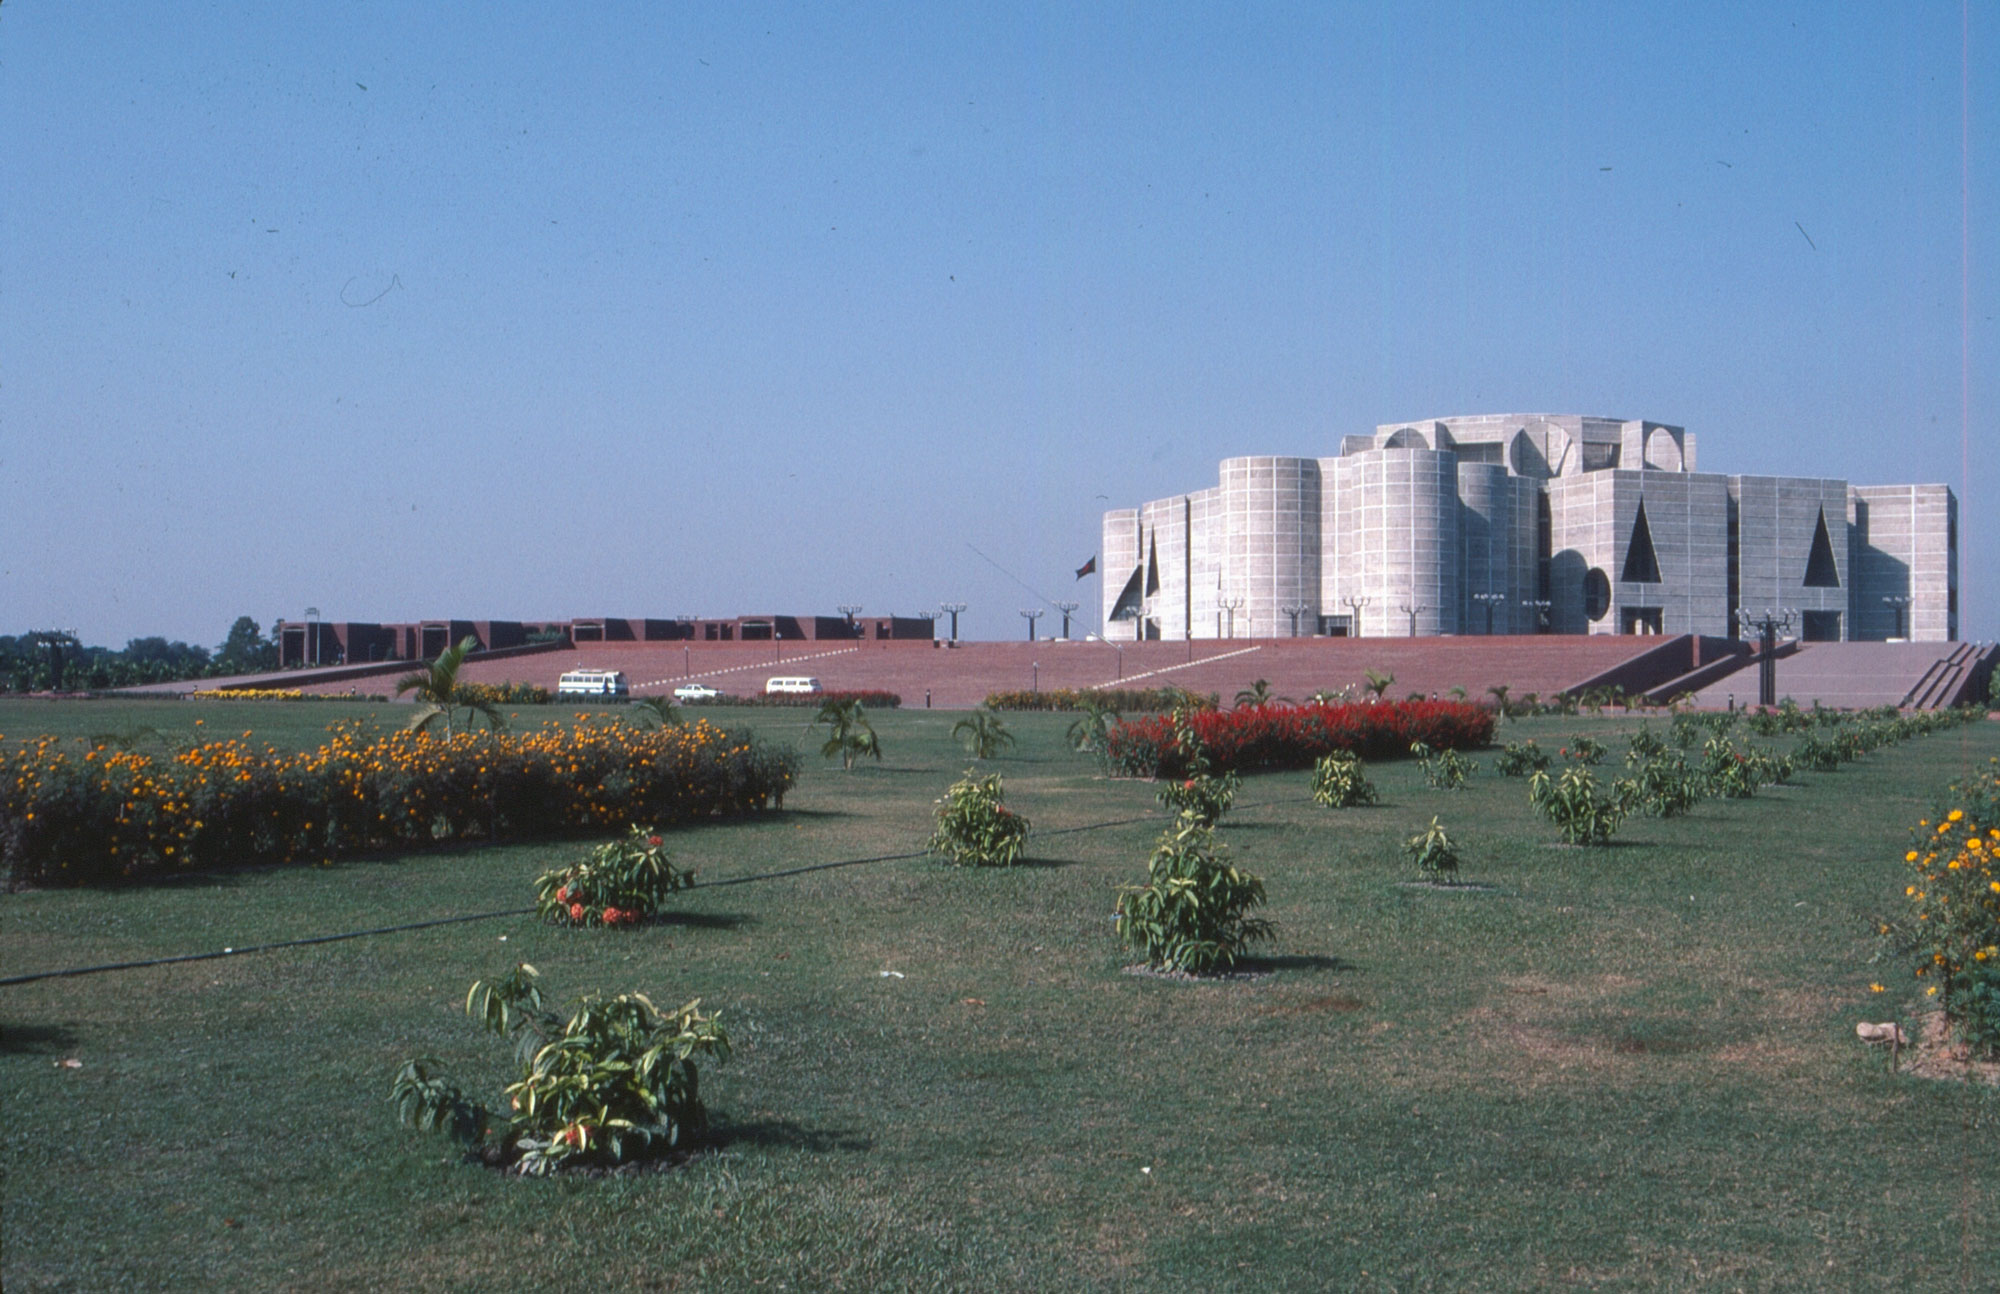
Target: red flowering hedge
1297	736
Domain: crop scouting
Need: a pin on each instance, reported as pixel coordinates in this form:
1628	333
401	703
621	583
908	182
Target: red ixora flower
612	916
576	912
562	895
1188	785
653	840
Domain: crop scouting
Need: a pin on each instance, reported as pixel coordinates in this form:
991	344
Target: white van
599	683
793	684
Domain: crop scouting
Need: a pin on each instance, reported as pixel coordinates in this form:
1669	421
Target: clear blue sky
534	311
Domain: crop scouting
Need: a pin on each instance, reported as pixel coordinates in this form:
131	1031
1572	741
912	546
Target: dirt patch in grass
1936	1054
1144	971
507	1162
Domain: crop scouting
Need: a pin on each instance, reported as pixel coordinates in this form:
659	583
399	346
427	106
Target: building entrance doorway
1642	620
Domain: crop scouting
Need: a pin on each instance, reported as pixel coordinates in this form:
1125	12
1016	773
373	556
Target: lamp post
687	661
1898	603
1066	608
1031	617
850	610
1540	606
1230	605
952	609
1489	601
55	640
1295	610
1412	610
1768	624
1121	659
1037	667
1354	606
312	634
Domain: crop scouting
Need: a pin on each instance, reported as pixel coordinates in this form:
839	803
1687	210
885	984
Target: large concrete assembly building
1529	523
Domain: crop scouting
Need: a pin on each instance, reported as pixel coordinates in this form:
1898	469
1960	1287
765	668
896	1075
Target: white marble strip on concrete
764	665
1190	664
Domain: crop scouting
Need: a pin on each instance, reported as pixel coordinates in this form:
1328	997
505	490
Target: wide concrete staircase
1917	676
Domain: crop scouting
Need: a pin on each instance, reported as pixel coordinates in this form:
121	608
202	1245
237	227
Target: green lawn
1632	1067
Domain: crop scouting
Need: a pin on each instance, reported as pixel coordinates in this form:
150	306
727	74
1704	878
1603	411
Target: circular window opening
1596	594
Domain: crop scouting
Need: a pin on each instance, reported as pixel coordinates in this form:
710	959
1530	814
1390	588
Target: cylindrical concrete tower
1270	528
1398	513
1496	547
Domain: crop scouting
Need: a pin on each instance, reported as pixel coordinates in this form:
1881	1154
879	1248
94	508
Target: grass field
1632	1067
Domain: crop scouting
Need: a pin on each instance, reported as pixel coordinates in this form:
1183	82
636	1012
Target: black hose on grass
73	971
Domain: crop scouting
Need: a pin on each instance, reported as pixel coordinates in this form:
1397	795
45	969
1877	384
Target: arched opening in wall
1406	438
1821	570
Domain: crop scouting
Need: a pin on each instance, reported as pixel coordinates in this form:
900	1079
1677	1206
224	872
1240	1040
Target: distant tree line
41	662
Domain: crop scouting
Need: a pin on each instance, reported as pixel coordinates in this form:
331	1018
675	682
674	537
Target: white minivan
793	684
593	682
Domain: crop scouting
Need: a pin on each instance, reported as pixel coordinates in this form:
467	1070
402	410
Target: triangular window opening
1821	571
1153	566
1127	605
1642	564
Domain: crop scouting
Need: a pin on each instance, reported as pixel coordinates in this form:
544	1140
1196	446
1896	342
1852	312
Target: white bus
600	683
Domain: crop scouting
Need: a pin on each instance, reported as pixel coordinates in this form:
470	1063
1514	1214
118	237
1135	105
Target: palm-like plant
1091	730
982	734
1499	691
849	734
1378	683
1258	695
440	694
656	712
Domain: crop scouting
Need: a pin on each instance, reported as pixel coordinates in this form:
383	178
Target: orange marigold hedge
1298	736
71	815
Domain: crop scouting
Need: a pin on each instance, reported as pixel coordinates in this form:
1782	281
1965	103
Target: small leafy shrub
983	734
1444	770
1951	928
1573	803
1338	782
1432	851
1737	773
617	1081
975	827
1521	758
1585	751
1817	753
1691	729
1200	794
1663	787
622	883
1645	746
1192	914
